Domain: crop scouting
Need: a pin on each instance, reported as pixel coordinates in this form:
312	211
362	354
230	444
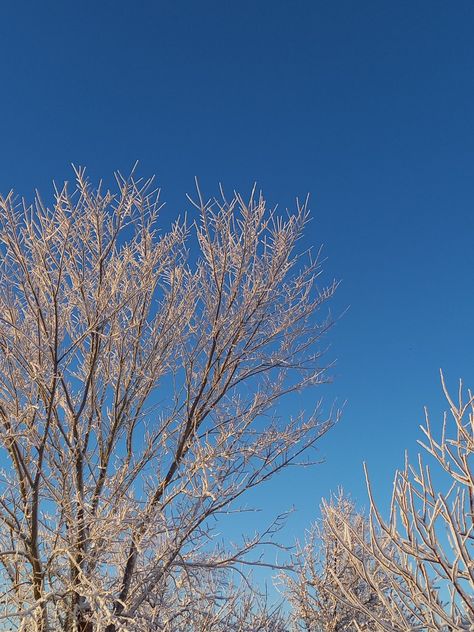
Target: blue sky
366	105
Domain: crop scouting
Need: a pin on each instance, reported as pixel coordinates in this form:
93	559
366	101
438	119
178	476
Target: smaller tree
423	573
325	572
205	599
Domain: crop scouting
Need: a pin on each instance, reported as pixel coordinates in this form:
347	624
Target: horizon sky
366	106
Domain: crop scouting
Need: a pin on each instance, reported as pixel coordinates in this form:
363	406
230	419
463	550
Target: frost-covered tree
423	573
324	571
205	601
140	374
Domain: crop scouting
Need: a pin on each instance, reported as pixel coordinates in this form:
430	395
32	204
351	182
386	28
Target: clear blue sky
367	105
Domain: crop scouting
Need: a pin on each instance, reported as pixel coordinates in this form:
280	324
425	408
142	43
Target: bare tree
139	384
324	572
206	601
424	575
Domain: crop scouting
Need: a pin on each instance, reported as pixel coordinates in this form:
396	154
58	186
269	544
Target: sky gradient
368	106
